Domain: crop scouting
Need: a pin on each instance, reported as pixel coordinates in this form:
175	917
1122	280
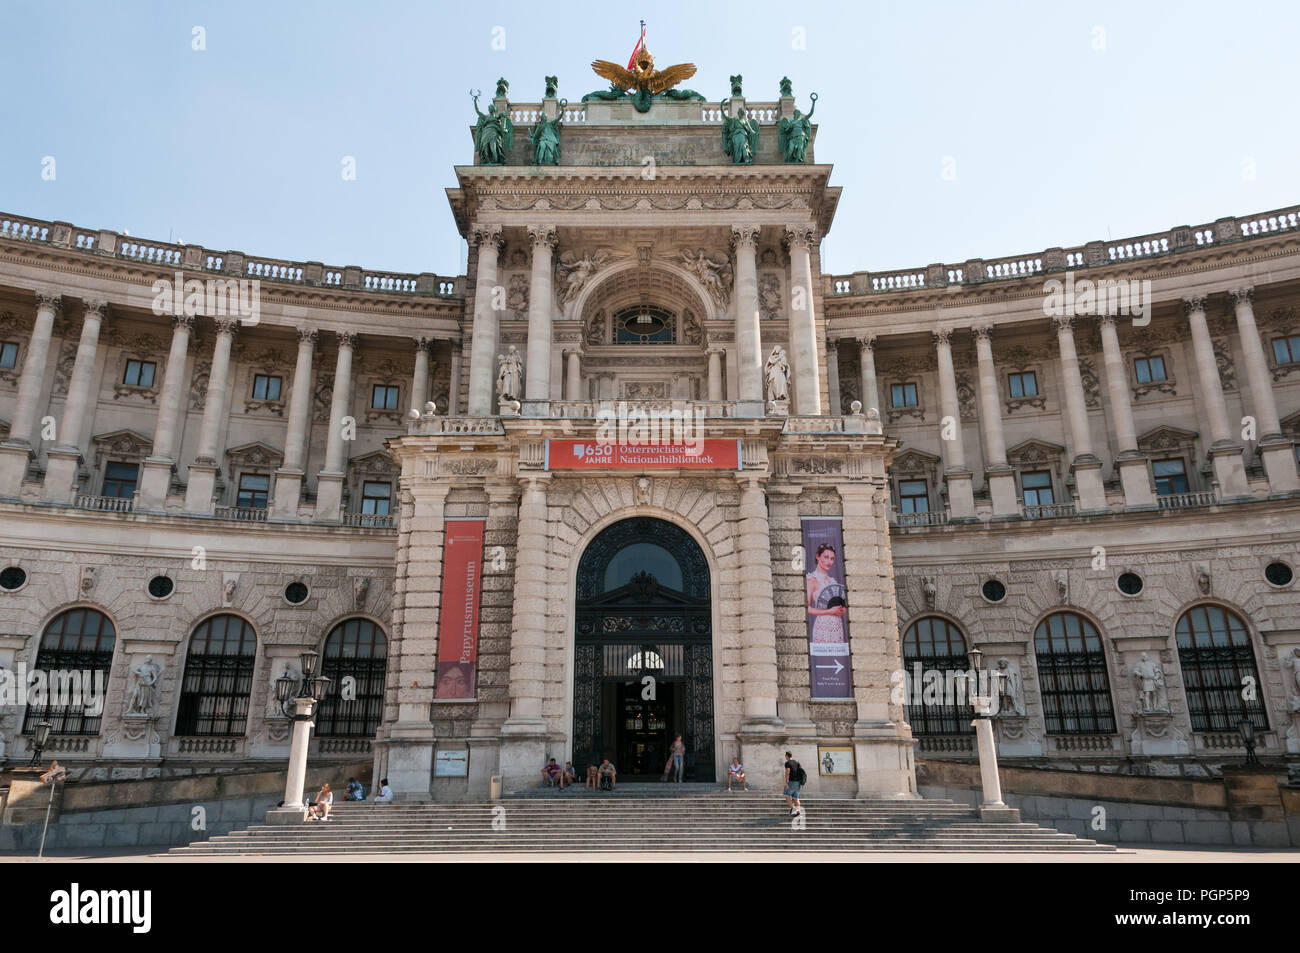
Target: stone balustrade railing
432	425
1089	255
232	263
589	409
527	114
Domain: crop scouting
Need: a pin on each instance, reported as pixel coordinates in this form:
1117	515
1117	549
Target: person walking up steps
793	780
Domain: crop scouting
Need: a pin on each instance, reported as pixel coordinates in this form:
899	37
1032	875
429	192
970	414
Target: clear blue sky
1052	140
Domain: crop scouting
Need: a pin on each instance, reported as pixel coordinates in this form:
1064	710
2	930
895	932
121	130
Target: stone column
483	343
1225	454
803	327
1086	466
870	392
453	389
749	344
757	618
882	741
329	482
16	449
63	459
833	378
420	379
573	377
537	372
156	471
1276	452
417	603
961	495
288	479
715	373
1000	477
1131	464
523	736
203	471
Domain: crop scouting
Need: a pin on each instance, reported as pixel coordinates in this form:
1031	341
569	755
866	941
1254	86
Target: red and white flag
636	50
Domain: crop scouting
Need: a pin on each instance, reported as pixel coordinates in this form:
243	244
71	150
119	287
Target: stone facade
297	445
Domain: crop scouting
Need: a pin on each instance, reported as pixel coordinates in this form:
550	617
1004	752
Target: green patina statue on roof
793	133
494	133
552	84
545	137
503	88
739	135
786	88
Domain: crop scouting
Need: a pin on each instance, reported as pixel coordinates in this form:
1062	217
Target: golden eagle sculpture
641	82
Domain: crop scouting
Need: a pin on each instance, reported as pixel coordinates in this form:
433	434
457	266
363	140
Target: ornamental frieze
658	203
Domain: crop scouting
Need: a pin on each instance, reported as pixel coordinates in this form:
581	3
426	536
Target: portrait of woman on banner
826	598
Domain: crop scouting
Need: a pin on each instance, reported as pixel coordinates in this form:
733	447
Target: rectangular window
384	397
139	373
904	395
913	497
266	387
253	489
1037	487
1023	384
1171	476
8	355
375	498
120	480
1287	350
1149	369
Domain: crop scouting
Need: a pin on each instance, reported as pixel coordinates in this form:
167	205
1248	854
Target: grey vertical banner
827	607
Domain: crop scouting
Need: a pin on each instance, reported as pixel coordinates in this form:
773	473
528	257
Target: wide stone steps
690	822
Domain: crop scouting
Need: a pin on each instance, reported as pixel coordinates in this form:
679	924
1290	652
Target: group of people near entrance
604	777
318	809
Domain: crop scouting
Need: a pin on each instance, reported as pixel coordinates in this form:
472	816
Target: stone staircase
657	818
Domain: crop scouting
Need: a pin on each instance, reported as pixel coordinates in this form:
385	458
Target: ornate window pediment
1290	425
124	445
914	462
1167	439
1033	453
252	456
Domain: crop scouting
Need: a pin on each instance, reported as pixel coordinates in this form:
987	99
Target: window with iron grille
1072	678
1216	657
357	649
218	678
8	355
937	646
80	641
913	497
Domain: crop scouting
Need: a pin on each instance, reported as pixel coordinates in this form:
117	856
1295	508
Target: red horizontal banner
591	455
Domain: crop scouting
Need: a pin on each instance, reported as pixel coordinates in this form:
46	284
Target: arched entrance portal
643	670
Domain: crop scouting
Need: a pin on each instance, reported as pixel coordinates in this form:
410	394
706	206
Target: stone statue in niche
1150	683
1292	662
510	375
769	296
777	375
144	687
929	591
360	587
517	295
1011	696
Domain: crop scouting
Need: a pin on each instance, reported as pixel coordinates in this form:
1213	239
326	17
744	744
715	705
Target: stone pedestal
1090	490
288	491
1156	733
778	408
283	816
961	494
1136	480
1002	490
1293	734
1278	455
522	754
410	762
155	480
484	762
329	497
61	474
138	740
13	468
762	752
198	492
1229	473
883	758
1017	737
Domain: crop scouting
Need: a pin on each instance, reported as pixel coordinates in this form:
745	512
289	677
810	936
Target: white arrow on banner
837	666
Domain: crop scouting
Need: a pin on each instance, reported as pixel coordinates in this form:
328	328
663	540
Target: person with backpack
794	779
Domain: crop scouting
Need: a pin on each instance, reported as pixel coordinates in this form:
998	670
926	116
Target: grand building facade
1082	461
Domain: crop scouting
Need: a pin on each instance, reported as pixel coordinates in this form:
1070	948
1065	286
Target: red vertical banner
462	583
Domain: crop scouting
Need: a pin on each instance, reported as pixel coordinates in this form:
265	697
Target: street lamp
992	808
311	689
40	738
1246	728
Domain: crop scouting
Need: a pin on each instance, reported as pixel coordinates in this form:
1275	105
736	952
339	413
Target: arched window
1216	657
1072	679
356	649
936	645
75	655
218	678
